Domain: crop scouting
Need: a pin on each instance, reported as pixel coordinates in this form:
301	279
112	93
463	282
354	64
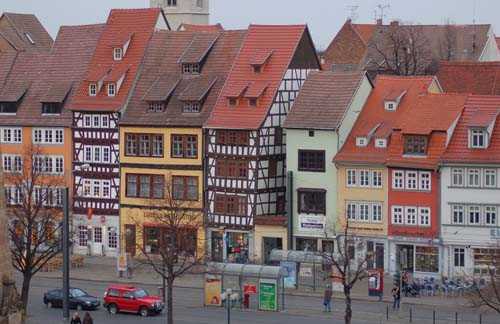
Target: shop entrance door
271	243
404	255
217	247
96	244
379	255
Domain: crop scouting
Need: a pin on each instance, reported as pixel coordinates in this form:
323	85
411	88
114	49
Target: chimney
380	22
348	21
395	23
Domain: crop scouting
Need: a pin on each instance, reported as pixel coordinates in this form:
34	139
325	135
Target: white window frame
424	213
458	173
87	121
111	89
376	215
390	105
361	141
410	179
11	135
351	178
423	184
414	220
488	210
490	173
87	157
398	176
477	134
380	143
364	207
364	175
117	53
469	210
96	154
477	173
105	121
93	89
106	155
46	136
397	215
351	211
87	188
460	251
106	185
377	179
455	209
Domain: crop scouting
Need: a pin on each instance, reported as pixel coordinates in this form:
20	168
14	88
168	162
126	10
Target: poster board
290	280
268	295
213	290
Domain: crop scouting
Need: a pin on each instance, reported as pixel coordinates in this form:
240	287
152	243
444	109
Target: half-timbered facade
96	111
245	144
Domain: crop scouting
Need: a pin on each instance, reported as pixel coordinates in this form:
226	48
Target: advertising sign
291	279
213	290
249	289
268	295
121	263
310	223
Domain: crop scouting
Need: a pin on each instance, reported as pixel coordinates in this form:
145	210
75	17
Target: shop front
230	246
96	235
418	257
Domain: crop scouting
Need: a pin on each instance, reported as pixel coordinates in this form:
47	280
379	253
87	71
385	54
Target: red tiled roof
25	32
256	89
201	28
140	22
199	47
480	78
483	118
260	57
365	31
374	114
283	41
458	150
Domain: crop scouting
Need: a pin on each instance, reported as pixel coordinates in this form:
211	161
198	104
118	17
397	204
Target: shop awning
246	270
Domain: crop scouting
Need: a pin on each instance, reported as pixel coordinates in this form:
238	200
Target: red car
121	298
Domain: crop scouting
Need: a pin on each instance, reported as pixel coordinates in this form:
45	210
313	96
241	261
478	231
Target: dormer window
157	106
390	105
191	107
233	101
257	69
111	89
361	141
93	89
478	138
8	107
252	102
380	143
51	108
117	53
190	68
415	145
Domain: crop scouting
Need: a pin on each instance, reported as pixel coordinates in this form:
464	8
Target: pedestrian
76	319
396	296
405	282
87	319
327	298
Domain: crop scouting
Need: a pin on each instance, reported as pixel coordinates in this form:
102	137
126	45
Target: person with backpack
396	295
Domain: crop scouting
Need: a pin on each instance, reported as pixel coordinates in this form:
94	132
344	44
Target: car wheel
112	309
79	307
143	311
50	305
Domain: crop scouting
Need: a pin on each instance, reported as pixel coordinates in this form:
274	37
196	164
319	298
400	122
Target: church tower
184	11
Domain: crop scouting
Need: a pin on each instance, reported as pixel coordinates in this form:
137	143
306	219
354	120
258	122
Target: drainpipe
289	209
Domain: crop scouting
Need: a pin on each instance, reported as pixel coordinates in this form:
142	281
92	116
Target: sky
324	17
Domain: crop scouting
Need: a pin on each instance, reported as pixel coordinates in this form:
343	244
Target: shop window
426	259
237	247
152	240
305	244
311	160
312	201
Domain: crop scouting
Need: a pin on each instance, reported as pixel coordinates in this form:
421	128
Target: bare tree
488	294
174	251
34	213
349	262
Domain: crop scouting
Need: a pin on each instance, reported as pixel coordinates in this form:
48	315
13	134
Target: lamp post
229	297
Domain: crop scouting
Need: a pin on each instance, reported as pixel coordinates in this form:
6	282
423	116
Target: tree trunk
25	291
170	301
348	308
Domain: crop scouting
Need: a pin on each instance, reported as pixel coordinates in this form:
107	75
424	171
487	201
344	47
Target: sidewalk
101	269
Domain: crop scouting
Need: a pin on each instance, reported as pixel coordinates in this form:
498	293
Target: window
106	189
171	3
490	215
185	188
59	136
47	136
158	187
184	146
8	107
361	141
157	145
411	215
106	156
131	145
230	204
87	121
232	137
426	259
105	122
7	135
364	212
59	167
351	211
82	235
424	216
51	108
111	89
156	106
390	105
377	179
273	168
144	145
411	180
199	3
415	145
398	179
364	178
312	201
131	185
351	178
92	89
7	163
459	257
117	53
424	181
97	234
37	136
457	177
376	212
457	214
145	186
233	101
278	136
96	188
112	237
474	215
311	133
96	121
87	154
191	107
97	154
380	143
231	168
490	178
190	68
474	177
86	188
397	215
478	138
310	160
12	163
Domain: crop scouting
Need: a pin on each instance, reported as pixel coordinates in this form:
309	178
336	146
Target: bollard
480	318
434	316
411	315
387	313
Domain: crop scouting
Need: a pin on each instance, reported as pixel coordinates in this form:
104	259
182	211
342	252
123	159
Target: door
96	245
128	303
271	243
217	247
405	257
130	234
379	256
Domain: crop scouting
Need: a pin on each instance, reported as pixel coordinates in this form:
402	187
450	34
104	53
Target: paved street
189	310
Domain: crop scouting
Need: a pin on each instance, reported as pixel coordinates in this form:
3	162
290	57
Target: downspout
289	208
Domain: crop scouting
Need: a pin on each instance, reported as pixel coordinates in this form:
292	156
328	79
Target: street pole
228	303
65	248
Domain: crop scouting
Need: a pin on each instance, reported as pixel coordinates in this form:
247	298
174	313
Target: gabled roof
139	22
201	28
430	115
282	40
323	100
374	116
458	150
25	31
162	60
480	78
53	76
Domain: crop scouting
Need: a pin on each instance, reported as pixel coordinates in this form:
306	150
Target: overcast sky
323	16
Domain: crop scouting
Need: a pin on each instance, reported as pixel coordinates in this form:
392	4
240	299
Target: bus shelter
303	268
259	287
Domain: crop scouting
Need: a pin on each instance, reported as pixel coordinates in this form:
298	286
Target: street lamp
229	297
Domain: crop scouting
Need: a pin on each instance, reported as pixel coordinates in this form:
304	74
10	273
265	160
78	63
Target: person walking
405	281
327	298
87	319
76	319
396	296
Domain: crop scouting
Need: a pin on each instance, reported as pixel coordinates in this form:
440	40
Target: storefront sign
312	223
290	280
249	289
121	263
268	295
213	289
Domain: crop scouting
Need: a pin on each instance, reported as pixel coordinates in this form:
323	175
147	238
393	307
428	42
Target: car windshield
78	293
139	293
